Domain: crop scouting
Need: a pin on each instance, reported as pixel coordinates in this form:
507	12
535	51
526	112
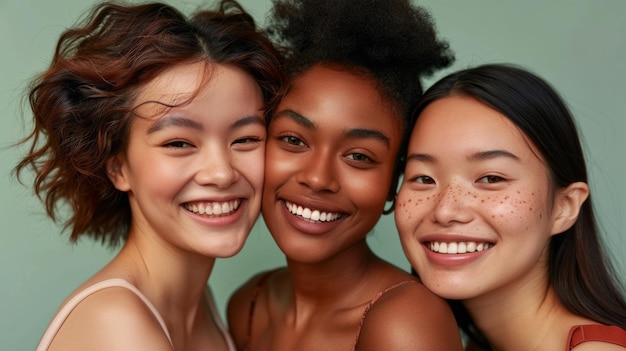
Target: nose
452	205
319	172
216	168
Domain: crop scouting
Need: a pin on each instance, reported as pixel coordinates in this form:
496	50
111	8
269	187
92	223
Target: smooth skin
475	214
206	153
331	150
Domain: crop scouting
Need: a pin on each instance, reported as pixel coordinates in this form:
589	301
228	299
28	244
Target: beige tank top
65	311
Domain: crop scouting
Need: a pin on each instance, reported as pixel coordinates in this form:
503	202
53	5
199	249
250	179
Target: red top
595	332
581	333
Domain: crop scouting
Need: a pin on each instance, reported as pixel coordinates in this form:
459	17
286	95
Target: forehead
175	84
325	92
462	123
460	116
218	89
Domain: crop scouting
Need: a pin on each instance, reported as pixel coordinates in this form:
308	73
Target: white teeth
443	248
460	247
471	246
312	215
213	208
452	248
315	216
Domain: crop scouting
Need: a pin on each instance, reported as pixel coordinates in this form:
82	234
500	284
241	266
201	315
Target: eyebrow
296	117
368	134
253	119
178	121
491	154
475	157
174	121
356	133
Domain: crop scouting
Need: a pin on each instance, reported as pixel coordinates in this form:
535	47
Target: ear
566	208
115	171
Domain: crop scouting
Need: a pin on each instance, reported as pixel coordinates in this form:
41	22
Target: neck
174	281
524	316
326	282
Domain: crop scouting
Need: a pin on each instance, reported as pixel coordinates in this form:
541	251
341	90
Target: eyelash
364	157
250	139
488	179
421	180
491	179
178	144
291	140
296	141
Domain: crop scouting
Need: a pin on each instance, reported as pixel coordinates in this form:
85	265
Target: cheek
252	166
519	208
154	173
376	188
280	162
411	208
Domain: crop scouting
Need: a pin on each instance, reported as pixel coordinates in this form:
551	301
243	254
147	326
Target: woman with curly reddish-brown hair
150	128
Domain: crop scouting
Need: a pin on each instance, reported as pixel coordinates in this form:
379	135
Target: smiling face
331	151
475	210
194	172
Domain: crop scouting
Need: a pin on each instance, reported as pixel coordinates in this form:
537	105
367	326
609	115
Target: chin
450	290
227	249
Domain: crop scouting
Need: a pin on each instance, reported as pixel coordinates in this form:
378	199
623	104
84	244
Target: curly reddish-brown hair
83	103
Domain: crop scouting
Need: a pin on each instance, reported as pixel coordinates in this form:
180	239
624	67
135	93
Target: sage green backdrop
578	45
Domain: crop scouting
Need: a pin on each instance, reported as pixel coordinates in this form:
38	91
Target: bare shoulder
111	319
238	308
409	317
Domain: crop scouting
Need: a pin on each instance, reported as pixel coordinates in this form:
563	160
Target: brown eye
424	180
490	179
290	139
178	144
359	157
247	140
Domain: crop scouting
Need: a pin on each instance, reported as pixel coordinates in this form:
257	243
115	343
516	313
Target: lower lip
453	260
305	226
218	221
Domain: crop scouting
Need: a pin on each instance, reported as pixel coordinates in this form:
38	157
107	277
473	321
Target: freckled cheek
519	209
411	208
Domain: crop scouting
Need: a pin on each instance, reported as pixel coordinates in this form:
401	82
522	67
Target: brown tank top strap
596	332
255	294
372	302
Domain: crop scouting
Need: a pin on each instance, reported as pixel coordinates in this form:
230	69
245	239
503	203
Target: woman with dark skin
332	165
150	127
495	215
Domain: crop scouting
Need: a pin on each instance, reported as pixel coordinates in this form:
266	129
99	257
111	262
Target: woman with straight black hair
494	214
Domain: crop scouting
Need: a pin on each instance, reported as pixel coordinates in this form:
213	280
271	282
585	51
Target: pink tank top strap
596	332
65	311
372	302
